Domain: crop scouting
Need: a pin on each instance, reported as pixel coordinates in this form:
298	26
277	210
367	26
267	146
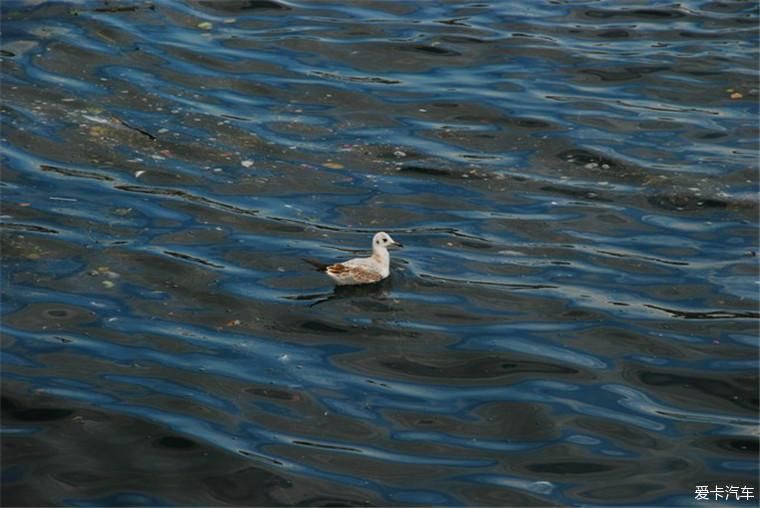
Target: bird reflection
379	290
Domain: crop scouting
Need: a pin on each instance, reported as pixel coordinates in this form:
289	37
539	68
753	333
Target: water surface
573	319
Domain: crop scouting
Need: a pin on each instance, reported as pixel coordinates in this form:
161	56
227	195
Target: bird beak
396	244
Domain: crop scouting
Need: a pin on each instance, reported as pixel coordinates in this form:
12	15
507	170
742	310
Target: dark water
574	319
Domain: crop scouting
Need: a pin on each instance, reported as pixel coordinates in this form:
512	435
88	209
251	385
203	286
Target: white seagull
362	270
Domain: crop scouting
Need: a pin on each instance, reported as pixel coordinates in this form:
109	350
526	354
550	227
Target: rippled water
574	319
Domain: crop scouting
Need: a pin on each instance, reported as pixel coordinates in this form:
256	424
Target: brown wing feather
338	268
366	276
356	273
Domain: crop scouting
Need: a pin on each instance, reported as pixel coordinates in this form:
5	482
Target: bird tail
321	267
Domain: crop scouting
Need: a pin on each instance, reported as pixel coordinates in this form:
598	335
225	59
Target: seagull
362	270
